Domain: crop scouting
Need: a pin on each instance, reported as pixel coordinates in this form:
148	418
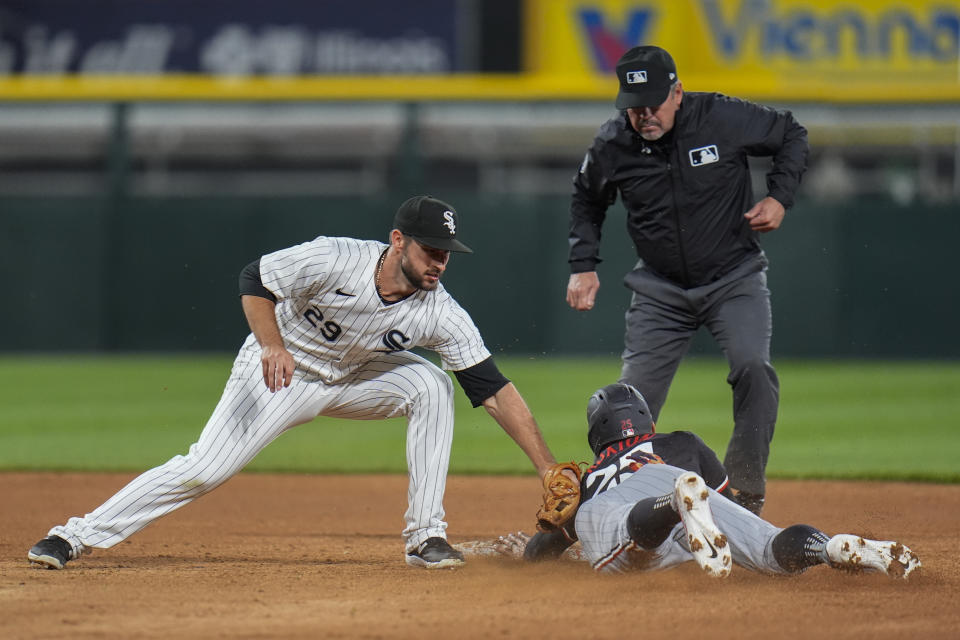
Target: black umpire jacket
686	194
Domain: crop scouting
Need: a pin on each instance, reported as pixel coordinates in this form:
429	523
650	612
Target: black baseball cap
431	222
646	74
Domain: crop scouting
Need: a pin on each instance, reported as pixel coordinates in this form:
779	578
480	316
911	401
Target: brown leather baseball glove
561	496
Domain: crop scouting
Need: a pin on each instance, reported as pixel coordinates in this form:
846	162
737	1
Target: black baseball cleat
435	553
50	553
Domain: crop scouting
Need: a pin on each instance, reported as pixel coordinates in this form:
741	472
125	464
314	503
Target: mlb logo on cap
646	74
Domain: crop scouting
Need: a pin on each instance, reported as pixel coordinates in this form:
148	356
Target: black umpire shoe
435	553
752	502
50	553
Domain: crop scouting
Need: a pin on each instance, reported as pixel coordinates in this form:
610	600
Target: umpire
679	162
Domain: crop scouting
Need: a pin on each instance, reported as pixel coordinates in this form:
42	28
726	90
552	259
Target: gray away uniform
645	467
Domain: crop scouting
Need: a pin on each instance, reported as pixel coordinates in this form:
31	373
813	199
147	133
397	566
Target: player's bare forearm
278	364
510	411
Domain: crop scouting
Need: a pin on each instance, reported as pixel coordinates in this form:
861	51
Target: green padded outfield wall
161	274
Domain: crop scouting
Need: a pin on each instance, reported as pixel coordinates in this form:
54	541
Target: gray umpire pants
660	325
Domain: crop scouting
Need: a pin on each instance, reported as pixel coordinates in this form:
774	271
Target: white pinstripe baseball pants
249	417
602	528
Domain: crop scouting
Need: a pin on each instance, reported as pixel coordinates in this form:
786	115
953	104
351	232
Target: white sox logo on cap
449	224
424	219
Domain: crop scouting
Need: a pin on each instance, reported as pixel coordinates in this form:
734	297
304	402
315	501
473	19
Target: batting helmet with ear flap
616	412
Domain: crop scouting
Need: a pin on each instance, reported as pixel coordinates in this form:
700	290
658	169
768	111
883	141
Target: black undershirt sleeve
481	381
251	284
711	469
546	546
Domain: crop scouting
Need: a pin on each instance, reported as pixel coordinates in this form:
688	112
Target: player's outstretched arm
278	364
510	411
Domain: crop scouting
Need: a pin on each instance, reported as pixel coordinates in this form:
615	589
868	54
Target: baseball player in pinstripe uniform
654	500
332	323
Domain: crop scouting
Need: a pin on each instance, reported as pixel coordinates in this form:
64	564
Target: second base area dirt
293	556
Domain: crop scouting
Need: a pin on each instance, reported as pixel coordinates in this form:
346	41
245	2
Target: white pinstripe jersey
333	320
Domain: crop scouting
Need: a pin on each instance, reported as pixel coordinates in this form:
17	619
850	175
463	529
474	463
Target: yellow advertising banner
851	51
872	50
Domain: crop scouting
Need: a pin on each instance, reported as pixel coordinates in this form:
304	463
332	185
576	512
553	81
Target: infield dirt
298	556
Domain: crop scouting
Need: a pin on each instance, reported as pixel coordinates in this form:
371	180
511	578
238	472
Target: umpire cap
615	412
646	74
430	222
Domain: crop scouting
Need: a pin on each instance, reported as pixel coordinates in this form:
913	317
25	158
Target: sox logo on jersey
394	340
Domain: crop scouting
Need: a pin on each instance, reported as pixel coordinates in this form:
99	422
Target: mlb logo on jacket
704	155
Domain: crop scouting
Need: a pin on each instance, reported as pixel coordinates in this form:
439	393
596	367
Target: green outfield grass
877	420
